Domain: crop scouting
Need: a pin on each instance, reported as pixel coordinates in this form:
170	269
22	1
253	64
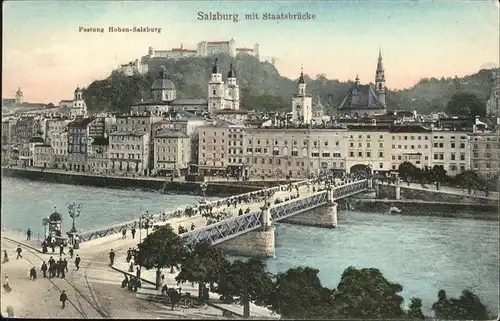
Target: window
380	145
360	154
462	145
399	157
325	155
295	153
315	154
452	156
368	154
452	145
381	154
441	145
380	165
351	154
352	144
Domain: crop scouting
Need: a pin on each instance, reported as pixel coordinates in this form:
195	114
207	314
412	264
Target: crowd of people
51	270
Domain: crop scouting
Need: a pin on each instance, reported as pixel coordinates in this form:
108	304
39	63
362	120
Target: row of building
164	136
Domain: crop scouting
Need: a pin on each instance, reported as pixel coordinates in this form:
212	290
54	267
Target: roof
178	102
217	42
128	134
171	134
232	72
36	140
244	49
44	145
151	101
81	122
230	111
162	82
409	129
100	140
361	97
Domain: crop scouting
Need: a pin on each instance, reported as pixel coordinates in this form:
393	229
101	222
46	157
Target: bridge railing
224	230
118	227
296	206
349	189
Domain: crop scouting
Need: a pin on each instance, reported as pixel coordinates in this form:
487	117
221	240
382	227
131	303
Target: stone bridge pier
323	216
257	243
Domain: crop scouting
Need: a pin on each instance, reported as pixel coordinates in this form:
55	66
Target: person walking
5	256
124	233
19	250
71	252
111	257
33	274
129	255
6	284
28	235
61	250
65	265
63	298
77	262
44	269
133	232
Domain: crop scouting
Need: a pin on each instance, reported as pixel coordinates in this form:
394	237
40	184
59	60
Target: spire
163	73
215	69
232	72
380	66
301	79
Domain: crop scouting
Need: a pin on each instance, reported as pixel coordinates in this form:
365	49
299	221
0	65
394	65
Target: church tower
380	79
79	105
216	89
232	89
163	88
19	96
301	103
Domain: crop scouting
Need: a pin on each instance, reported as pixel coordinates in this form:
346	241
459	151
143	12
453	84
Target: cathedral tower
232	90
19	96
301	103
380	79
216	89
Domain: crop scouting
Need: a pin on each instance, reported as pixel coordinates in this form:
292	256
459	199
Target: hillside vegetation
263	88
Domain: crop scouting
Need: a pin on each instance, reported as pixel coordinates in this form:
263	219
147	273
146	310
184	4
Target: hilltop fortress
203	49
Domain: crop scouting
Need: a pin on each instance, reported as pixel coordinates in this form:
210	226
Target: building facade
223	95
172	152
97	155
485	153
411	144
451	150
59	143
129	152
42	156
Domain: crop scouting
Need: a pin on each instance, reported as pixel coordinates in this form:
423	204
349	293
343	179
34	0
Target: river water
424	254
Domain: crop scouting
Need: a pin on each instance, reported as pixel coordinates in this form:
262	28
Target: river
422	253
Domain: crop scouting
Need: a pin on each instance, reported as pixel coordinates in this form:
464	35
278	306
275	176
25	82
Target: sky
46	55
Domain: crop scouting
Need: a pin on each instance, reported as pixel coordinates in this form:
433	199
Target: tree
297	292
415	309
470	180
247	280
466	104
438	174
202	265
467	307
160	249
407	170
366	293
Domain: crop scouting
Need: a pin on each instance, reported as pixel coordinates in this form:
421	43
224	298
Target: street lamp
204	187
74	211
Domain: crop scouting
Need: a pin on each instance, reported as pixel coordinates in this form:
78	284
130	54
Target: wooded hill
263	88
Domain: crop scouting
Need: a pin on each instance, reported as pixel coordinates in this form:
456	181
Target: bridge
308	203
262	219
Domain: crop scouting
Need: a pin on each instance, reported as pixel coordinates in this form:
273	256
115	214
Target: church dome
56	216
162	83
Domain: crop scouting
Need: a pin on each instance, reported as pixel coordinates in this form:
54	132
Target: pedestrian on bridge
63	298
61	250
19	250
77	262
111	257
28	235
44	269
5	256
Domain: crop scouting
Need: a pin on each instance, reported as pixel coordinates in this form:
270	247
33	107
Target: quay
220	187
